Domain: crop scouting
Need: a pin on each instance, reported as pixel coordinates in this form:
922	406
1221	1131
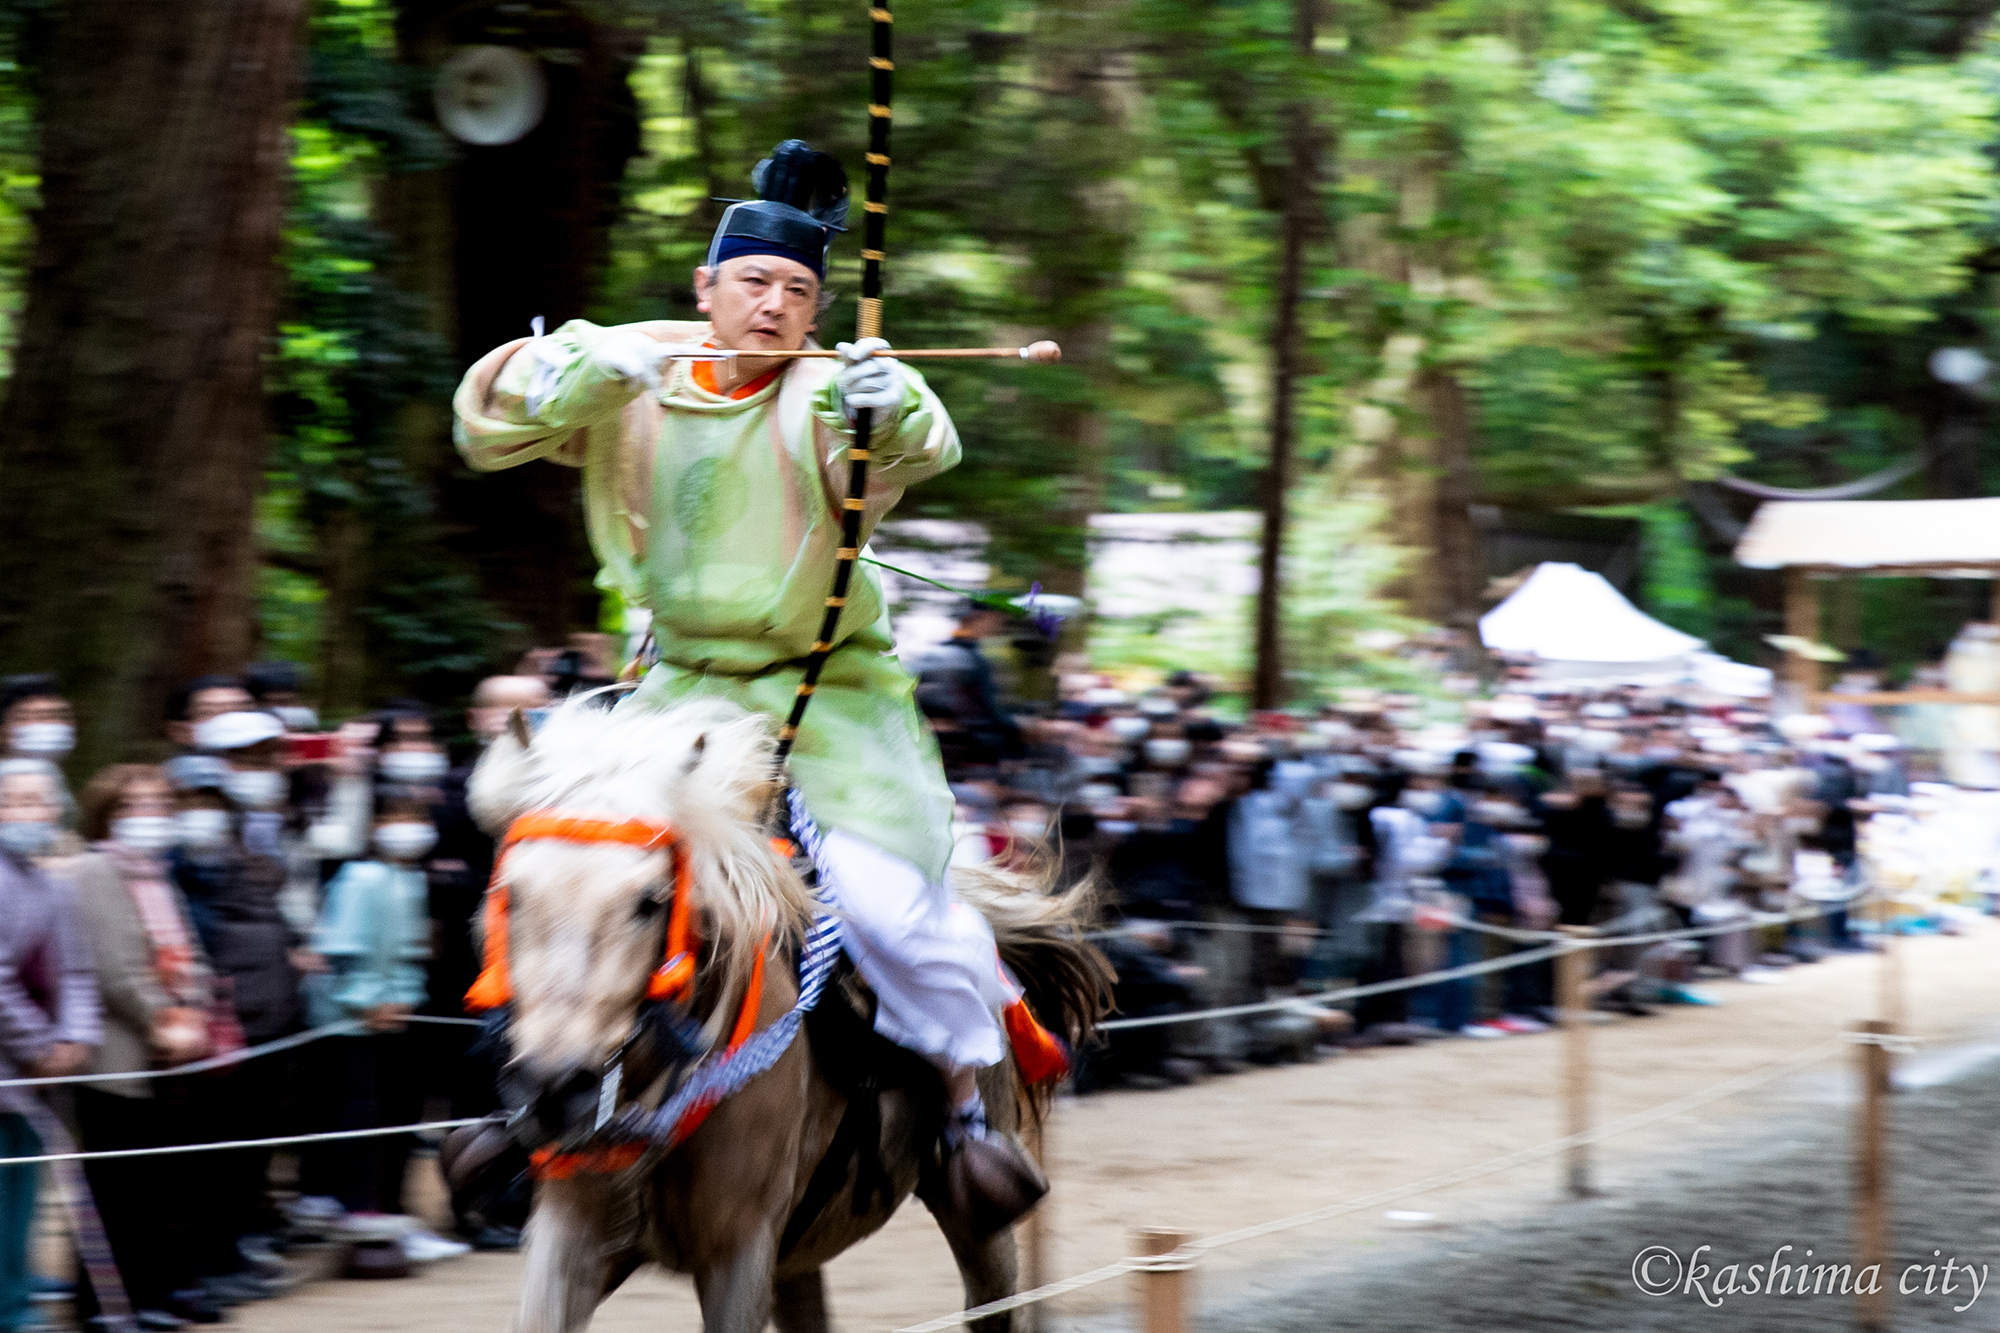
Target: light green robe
721	516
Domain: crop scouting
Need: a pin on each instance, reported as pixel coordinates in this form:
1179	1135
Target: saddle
861	1064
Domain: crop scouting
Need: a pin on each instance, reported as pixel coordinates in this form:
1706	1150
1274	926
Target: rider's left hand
867	380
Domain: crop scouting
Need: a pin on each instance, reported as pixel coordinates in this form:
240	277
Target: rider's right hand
634	357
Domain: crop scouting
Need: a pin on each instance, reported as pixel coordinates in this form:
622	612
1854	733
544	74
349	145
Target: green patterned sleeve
528	399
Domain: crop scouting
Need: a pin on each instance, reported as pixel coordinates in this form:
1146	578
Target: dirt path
1271	1142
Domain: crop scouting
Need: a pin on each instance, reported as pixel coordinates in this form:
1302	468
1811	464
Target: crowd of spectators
272	875
268	876
1385	836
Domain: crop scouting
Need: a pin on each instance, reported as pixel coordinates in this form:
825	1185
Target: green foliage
1655	240
348	513
19	180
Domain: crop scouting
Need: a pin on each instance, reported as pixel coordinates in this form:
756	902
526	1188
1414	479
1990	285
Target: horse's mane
703	767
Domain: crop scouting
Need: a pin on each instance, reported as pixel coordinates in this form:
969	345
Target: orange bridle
674	977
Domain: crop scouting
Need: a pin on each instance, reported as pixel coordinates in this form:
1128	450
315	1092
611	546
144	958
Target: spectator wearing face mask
49	1015
374	934
249	742
232	893
37	720
155	985
409	763
192	703
56	845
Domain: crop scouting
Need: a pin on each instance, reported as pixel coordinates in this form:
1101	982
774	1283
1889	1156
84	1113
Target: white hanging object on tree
490	95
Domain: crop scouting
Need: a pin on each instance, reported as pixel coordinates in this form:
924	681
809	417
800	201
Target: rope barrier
352	1027
344	1028
1563	944
227	1144
340	1029
1187	1255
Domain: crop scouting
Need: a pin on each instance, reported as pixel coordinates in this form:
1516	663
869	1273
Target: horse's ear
696	751
494	794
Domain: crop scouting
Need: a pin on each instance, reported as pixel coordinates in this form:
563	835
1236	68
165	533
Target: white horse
641	820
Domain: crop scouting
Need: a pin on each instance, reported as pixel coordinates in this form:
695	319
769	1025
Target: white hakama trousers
928	957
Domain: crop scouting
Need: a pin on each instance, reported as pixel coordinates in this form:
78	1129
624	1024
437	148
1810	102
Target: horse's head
587	914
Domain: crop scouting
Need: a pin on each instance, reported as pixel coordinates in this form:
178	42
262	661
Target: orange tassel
1038	1053
493	987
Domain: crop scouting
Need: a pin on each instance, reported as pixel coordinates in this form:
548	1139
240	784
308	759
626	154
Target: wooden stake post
1035	1227
1871	1169
1572	974
1802	622
1889	969
1163	1292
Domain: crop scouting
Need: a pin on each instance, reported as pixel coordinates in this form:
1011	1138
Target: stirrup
992	1181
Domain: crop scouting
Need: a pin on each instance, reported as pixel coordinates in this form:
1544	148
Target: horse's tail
1041	935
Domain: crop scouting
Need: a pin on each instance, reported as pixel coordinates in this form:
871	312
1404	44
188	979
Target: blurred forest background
1539	276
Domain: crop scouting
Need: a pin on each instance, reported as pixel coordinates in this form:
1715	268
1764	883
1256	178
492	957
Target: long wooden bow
868	324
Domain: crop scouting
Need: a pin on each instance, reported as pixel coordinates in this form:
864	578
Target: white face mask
27	837
1499	814
405	839
1352	795
1168	752
1029	830
297	717
202	828
44	740
255	788
1422	802
412	765
144	833
1129	728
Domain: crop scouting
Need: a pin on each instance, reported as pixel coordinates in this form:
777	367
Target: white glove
869	381
635	357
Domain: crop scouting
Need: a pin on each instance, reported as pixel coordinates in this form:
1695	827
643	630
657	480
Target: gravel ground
1571	1267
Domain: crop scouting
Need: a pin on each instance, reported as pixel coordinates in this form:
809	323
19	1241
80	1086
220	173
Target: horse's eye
650	906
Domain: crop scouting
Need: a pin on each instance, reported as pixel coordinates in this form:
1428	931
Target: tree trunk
1300	222
505	233
1081	151
132	442
1458	575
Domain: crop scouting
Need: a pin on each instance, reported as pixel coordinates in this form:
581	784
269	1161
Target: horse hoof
991	1182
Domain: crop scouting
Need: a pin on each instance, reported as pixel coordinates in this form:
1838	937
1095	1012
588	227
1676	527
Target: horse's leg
798	1303
989	1267
735	1289
564	1274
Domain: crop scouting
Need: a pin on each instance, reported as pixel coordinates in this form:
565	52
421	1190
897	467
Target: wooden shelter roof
1927	538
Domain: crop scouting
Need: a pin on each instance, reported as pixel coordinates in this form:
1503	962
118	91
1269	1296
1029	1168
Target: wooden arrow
1042	353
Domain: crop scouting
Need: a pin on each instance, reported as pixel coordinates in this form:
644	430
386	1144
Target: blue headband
736	247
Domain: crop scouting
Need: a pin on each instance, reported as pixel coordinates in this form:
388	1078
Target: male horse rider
713	492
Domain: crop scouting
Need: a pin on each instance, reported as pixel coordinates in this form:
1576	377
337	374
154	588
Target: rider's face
759	302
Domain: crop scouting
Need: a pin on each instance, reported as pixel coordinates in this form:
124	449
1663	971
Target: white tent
1566	613
1581	630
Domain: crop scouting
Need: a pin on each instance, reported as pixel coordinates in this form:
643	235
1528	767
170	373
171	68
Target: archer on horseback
714	494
